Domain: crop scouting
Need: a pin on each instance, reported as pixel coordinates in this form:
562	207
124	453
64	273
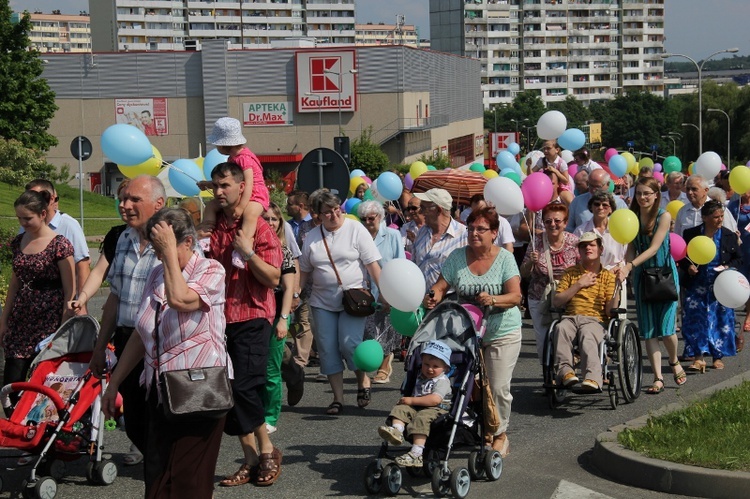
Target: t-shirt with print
439	386
457	274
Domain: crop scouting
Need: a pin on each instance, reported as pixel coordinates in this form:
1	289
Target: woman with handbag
552	252
707	325
338	256
180	327
649	258
487	275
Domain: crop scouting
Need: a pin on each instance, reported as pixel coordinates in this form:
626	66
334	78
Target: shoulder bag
358	302
658	285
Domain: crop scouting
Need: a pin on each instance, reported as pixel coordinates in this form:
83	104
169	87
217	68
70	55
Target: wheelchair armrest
557	311
617	311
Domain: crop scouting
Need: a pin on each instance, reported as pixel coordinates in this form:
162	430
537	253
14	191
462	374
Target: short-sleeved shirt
287	267
558	164
68	227
247	160
438	386
430	257
590	301
457	274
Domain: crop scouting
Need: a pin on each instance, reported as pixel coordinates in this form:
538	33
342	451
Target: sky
693	27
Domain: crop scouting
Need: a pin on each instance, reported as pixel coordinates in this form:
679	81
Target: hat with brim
227	132
587	237
440	197
439	350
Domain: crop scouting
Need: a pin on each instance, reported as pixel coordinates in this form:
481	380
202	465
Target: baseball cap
438	349
440	197
587	237
227	132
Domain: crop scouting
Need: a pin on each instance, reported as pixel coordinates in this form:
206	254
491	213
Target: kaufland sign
325	82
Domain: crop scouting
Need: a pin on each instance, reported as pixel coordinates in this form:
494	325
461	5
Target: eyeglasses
333	211
271	219
644	194
597	204
478	230
551	221
371	219
411	208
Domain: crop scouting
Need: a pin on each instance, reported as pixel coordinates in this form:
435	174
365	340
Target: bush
19	165
6	237
367	155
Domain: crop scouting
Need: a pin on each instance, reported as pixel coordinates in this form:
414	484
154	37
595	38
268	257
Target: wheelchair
620	356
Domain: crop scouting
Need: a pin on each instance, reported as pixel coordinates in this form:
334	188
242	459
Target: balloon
505	195
618	165
677	247
609	153
708	165
657	167
572	170
126	145
672	164
402	284
551	125
406	323
630	159
747	164
183	174
514	148
390	186
623	225
659	176
731	289
416	169
355	182
479	168
352	216
350	205
611	187
723	167
647	162
368	195
537	191
431	168
368	355
691	171
149	167
701	250
739	179
213	158
515	177
356	173
572	139
505	160
367	179
408	181
566	155
475	313
488	174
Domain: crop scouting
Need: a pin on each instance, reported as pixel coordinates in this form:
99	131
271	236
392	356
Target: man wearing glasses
414	222
696	189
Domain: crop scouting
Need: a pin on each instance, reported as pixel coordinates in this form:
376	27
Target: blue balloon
183	175
390	186
514	148
357	173
213	158
506	159
505	171
618	165
350	205
126	145
572	139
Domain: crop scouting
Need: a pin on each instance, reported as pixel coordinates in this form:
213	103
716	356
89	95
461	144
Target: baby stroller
58	415
463	425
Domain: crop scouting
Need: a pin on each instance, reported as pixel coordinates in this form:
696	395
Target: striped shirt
590	301
430	257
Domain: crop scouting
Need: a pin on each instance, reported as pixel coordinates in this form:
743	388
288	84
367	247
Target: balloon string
531	232
170	165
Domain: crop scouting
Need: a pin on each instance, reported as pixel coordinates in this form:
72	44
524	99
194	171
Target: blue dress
707	325
654	319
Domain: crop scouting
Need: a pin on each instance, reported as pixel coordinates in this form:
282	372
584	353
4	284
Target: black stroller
463	425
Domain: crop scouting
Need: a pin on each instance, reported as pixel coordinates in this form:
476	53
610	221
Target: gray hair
700	179
157	188
180	221
370	208
323	198
675	176
717	194
602	196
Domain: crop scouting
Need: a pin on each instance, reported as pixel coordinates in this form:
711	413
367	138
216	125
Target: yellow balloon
416	169
673	207
630	159
623	225
206	194
646	161
739	179
488	174
353	217
691	170
199	161
701	250
149	167
354	183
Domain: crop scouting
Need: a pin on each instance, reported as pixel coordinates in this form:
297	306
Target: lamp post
699	67
692	125
320	117
340	77
729	130
528	137
674	144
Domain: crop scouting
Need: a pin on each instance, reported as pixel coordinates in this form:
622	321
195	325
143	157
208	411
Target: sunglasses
412	208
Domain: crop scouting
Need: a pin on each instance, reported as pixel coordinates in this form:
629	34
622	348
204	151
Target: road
326	456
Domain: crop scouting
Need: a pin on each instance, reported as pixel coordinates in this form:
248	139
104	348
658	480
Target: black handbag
658	285
358	302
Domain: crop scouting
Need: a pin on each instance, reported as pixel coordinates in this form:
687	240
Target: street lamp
320	117
674	144
516	122
692	125
729	129
528	138
340	75
699	67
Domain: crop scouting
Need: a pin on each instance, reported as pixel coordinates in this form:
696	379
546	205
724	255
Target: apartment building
58	32
135	25
591	50
387	34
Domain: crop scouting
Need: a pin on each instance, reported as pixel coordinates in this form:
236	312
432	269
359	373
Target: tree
367	155
28	104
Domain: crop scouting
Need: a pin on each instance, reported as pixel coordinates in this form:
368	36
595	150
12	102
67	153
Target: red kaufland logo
321	80
326	81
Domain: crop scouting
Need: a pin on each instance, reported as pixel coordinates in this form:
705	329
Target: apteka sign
325	82
267	113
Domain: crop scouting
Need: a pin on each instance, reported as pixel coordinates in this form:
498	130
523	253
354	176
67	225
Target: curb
632	468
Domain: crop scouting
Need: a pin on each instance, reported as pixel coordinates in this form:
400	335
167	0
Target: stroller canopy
448	322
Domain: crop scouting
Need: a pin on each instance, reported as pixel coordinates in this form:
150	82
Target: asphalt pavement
550	450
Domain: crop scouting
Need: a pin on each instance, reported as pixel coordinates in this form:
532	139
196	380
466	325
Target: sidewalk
632	468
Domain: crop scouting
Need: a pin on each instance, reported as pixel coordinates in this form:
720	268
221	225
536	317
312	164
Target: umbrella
461	184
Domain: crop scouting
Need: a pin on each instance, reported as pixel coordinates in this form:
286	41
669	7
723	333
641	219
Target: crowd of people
230	290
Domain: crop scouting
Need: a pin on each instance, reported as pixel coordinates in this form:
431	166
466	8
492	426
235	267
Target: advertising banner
149	115
267	113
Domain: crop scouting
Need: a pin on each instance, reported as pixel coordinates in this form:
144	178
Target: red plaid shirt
247	299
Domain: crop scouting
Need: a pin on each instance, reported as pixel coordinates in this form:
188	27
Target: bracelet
493	300
249	255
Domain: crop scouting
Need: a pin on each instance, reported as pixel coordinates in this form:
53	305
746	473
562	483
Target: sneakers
270	428
410	460
569	379
391	435
589	385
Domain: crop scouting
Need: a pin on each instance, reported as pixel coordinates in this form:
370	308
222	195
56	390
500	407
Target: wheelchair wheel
630	361
554	397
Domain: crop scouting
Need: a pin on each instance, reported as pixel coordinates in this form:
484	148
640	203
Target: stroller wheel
372	478
101	473
460	482
431	461
493	465
441	479
45	487
392	478
476	465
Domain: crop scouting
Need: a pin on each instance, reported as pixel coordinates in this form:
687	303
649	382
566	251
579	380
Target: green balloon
477	167
515	177
430	167
368	356
671	164
406	323
611	186
368	195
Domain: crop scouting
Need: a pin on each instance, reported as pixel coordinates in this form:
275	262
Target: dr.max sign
267	113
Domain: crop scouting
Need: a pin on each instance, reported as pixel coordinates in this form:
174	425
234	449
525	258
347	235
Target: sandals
680	378
739	340
657	387
244	475
363	397
746	325
269	468
133	457
382	377
335	408
718	364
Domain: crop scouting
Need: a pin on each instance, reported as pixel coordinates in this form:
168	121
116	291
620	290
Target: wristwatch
285	317
249	255
295	295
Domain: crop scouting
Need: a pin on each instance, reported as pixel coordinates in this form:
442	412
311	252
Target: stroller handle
30	387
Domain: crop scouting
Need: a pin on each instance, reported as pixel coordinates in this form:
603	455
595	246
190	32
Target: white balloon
504	194
731	289
375	193
566	155
402	284
551	125
708	165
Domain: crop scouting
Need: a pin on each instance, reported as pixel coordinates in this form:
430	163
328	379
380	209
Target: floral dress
37	310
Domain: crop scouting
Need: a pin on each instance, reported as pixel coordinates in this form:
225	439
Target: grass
710	433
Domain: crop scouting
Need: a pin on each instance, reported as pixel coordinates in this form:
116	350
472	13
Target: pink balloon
572	170
609	153
659	176
407	255
367	179
537	191
408	181
723	166
677	247
393	226
475	313
657	167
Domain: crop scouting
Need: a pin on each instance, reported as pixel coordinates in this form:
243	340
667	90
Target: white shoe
270	428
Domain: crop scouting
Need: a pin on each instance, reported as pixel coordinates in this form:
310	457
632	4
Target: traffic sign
81	148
